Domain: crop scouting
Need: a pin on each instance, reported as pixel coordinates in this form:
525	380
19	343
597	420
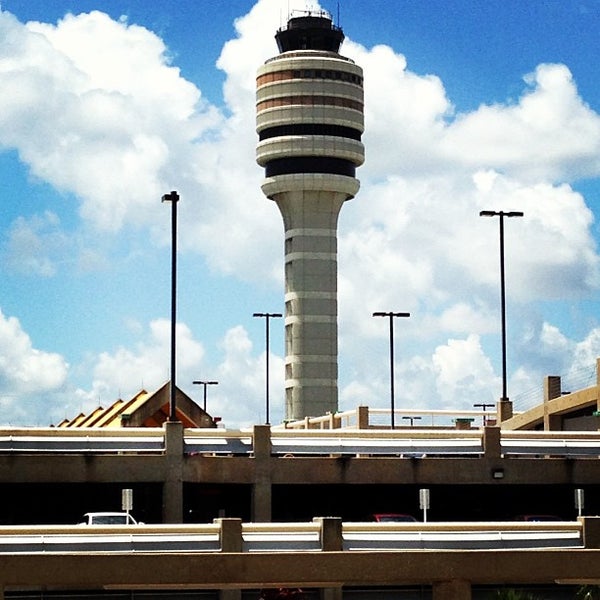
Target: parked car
108	518
393	518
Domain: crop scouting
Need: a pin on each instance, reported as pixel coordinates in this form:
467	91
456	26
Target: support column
331	541
261	489
173	480
491	442
552	390
504	410
231	541
330	534
457	589
362	417
591	531
230	534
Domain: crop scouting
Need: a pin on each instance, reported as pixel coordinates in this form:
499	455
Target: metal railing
100	440
550	443
364	417
403	443
377	443
289	537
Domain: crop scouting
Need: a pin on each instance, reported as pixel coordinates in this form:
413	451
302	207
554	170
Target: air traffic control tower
309	107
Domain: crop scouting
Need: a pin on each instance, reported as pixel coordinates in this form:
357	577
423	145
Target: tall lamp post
391	316
267	316
204	384
501	214
173	198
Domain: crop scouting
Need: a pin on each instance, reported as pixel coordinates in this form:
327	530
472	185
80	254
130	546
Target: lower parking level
65	503
376	593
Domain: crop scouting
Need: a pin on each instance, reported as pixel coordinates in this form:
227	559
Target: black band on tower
310	129
310	164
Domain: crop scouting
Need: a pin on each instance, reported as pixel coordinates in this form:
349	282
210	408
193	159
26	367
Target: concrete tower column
310	123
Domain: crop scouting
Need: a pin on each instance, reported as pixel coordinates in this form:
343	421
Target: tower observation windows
310	164
310	129
288	74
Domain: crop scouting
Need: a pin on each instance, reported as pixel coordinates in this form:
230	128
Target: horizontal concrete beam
298	569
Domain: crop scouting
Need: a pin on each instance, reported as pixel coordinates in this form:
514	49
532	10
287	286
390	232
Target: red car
393	518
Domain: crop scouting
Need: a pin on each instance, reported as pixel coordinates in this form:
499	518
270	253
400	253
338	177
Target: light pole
391	316
173	198
412	419
204	384
267	316
502	214
483	407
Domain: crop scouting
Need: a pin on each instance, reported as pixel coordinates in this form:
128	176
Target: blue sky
469	106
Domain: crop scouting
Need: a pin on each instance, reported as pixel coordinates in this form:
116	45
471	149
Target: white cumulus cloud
24	368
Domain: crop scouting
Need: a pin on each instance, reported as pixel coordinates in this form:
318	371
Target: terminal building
230	513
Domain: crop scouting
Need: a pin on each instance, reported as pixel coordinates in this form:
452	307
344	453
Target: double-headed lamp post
173	198
267	316
502	214
483	406
204	384
391	316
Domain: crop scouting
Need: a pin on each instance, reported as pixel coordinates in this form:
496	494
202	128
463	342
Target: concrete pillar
591	531
457	589
552	387
362	417
504	410
331	541
231	541
261	489
552	390
491	442
331	533
173	479
230	534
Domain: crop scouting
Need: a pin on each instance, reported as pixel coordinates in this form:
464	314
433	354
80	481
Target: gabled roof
145	410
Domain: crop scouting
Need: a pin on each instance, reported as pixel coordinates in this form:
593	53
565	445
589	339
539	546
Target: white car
108	518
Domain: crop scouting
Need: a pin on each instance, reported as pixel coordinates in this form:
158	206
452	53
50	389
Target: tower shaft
310	220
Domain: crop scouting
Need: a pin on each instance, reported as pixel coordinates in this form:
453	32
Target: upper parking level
410	443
